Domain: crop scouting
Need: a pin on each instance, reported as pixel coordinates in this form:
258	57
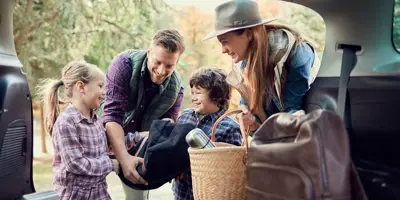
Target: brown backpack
305	157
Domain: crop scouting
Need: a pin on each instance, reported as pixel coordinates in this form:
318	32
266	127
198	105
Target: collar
77	116
212	116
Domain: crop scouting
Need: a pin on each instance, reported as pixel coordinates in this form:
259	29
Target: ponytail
48	91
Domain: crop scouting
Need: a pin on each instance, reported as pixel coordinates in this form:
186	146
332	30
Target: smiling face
93	93
201	102
161	63
235	44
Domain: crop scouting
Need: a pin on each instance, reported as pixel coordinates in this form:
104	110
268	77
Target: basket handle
245	133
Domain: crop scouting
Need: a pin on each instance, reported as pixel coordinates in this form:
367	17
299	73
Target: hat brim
220	32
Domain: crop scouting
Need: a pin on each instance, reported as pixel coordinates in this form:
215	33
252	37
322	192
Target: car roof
367	23
8	56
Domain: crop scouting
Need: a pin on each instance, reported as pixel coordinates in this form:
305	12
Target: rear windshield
396	25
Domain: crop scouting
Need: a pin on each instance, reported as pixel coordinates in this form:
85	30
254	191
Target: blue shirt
228	131
298	73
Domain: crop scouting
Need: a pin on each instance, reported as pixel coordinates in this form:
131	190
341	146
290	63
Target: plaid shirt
117	91
81	161
228	131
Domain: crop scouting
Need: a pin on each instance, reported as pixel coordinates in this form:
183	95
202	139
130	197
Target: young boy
210	99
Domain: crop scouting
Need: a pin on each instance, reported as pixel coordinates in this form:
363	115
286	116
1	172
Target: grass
43	181
43	176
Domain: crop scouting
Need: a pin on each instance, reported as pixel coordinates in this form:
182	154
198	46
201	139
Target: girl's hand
144	134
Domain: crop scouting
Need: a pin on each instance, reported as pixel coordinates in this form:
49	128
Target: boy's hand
180	177
168	119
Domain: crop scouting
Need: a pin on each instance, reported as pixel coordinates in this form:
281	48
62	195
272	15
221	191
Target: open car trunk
373	89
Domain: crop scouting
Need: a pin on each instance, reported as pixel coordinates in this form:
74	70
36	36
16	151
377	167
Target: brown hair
170	39
259	72
213	80
71	73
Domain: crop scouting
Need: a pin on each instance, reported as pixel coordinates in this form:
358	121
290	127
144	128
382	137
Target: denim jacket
298	73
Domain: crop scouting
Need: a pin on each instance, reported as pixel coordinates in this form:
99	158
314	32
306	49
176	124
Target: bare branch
29	8
86	32
43	20
119	27
30	31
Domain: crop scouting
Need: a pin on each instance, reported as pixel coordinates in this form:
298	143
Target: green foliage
50	33
396	25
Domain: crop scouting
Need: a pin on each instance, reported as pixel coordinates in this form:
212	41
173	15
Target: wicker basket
219	173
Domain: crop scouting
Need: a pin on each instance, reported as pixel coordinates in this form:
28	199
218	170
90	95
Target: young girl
81	161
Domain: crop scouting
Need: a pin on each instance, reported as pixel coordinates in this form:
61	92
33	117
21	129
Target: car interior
359	78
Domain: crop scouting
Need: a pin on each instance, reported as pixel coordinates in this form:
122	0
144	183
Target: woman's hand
249	120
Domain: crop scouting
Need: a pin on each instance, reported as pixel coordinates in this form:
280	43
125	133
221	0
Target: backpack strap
278	69
279	66
315	68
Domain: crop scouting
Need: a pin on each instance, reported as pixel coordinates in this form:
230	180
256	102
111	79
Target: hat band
237	24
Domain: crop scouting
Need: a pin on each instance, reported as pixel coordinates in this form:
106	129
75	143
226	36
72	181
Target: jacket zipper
323	165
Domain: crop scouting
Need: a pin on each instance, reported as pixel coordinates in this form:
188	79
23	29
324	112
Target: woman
276	61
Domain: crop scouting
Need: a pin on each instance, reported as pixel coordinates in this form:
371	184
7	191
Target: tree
50	33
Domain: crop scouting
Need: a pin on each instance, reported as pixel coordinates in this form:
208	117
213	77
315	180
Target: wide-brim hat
235	15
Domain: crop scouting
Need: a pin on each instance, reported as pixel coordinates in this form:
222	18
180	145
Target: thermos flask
196	138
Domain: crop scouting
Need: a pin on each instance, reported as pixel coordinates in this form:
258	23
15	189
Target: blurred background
50	33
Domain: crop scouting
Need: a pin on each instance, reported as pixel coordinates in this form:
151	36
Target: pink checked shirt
81	161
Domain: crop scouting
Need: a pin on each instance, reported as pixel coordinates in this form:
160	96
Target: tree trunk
43	130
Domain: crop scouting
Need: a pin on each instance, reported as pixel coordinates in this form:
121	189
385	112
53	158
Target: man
141	86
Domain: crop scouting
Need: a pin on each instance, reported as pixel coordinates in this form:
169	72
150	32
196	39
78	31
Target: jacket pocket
277	182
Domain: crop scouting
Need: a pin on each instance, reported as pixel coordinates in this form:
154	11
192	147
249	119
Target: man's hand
128	165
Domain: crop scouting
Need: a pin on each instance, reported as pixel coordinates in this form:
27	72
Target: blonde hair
259	72
170	39
48	89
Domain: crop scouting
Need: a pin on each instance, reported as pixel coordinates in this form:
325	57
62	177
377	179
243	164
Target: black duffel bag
165	154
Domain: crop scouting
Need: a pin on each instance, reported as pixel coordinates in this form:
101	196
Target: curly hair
213	80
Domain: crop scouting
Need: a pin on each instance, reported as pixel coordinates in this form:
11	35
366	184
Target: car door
16	133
